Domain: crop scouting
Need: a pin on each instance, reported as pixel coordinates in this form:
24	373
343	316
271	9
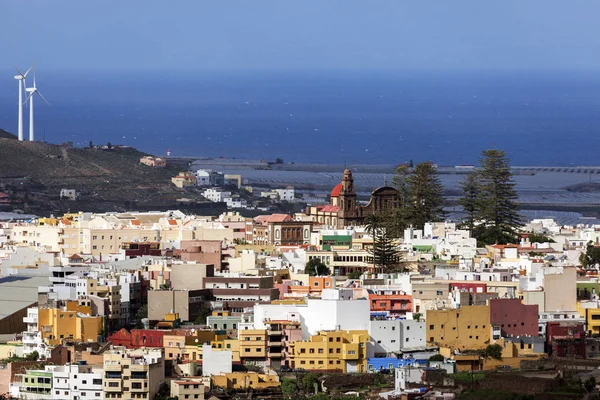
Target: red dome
336	190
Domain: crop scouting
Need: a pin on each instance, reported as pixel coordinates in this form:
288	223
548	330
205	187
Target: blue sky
306	34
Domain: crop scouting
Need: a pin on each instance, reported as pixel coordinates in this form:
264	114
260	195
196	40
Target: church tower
347	199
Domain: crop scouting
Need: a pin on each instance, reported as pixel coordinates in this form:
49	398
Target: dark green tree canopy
316	267
471	188
591	256
497	214
425	195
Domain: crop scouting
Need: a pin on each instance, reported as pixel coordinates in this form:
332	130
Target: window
248	350
430	327
258	350
234	381
320	351
439	292
338	351
321	362
311	361
302	351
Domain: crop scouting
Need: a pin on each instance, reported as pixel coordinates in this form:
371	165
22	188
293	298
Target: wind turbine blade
33	76
28	97
17	69
41	96
26	72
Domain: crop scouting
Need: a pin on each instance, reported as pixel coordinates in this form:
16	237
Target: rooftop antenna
384	179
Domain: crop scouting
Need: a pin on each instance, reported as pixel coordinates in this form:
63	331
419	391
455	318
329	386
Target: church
343	209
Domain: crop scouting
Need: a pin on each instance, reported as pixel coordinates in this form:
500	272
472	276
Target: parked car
285	368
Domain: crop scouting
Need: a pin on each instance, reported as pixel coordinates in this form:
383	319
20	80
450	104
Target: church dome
336	190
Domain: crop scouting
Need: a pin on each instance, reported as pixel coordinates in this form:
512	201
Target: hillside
6	135
107	179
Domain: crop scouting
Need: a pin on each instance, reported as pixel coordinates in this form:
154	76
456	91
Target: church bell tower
347	199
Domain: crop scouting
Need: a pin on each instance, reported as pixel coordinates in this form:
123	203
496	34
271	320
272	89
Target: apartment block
253	345
342	351
464	328
133	374
69	322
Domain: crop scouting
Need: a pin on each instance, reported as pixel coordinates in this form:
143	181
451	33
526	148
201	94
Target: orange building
392	301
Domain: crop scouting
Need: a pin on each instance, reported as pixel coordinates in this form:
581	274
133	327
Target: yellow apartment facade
71	322
464	328
253	344
344	351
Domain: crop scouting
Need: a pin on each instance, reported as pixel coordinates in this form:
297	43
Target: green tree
497	208
539	238
141	314
590	384
201	319
591	256
354	275
426	201
384	251
309	381
316	267
493	351
471	188
288	386
437	357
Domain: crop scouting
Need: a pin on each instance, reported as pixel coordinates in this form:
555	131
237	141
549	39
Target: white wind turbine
33	90
21	78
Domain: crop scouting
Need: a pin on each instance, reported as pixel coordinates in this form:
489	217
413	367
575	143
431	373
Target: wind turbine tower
33	90
21	79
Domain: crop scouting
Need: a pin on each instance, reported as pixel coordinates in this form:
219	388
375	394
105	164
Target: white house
216	195
286	194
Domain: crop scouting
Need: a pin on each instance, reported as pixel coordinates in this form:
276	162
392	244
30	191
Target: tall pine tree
496	205
425	195
384	251
471	188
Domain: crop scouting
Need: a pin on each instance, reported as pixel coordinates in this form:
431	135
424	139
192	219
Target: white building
317	315
32	337
393	336
216	362
77	382
69	194
216	195
287	194
202	177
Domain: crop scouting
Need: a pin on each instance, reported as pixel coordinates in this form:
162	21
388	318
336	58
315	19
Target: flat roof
18	292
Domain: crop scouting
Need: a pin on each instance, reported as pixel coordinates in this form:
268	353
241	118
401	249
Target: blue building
377	364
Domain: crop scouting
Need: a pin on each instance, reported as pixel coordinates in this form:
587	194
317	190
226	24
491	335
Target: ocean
538	118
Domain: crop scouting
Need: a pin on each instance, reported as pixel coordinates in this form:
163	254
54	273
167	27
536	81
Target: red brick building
513	317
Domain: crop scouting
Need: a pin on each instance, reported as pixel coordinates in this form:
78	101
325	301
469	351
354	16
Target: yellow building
464	328
344	351
245	380
253	344
71	322
193	344
592	317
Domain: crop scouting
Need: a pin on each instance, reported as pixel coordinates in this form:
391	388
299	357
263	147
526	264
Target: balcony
112	385
139	386
275	343
30	320
276	354
274	331
112	368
